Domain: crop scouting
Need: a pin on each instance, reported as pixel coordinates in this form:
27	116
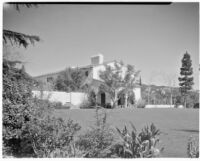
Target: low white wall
137	92
159	106
75	98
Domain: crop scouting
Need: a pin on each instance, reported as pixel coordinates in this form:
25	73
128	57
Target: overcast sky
151	37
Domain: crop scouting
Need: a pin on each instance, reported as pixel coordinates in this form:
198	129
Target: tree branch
19	38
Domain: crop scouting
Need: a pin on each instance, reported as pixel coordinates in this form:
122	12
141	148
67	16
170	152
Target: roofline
81	67
104	63
48	74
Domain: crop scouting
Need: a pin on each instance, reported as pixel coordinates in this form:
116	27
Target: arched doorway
103	99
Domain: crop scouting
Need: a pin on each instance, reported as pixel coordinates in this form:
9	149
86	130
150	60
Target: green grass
176	125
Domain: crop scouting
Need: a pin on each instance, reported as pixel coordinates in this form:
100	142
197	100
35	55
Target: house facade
93	80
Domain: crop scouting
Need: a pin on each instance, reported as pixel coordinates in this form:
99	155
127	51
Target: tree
16	37
116	82
129	82
186	79
69	80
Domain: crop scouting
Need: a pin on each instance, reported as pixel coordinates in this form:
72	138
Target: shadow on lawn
187	130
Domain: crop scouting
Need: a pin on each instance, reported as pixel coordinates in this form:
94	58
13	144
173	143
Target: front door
103	99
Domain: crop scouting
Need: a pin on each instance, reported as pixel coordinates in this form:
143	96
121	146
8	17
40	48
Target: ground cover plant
193	148
97	140
137	145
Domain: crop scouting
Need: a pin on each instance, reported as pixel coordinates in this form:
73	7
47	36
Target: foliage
162	95
92	98
133	145
19	38
69	80
131	99
16	106
28	5
192	99
86	105
193	148
29	129
49	134
97	140
115	81
141	103
156	94
186	79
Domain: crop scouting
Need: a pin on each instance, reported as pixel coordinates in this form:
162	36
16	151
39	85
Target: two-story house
93	80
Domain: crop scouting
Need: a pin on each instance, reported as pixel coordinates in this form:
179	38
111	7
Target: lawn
176	125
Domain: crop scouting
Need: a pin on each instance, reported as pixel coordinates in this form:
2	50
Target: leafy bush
141	103
50	134
90	102
16	108
196	105
133	145
86	105
193	148
97	140
29	129
92	98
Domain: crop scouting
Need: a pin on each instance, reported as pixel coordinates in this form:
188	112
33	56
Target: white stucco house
93	80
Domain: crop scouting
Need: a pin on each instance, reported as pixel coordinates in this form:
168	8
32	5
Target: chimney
97	59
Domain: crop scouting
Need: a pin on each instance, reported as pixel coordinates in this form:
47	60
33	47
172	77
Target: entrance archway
103	99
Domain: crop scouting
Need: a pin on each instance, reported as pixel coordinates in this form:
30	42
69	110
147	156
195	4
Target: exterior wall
97	59
159	106
44	78
137	92
75	98
96	71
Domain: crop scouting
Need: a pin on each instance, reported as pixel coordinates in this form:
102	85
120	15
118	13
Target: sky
153	38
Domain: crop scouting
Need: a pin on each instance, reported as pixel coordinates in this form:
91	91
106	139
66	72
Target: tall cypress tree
186	79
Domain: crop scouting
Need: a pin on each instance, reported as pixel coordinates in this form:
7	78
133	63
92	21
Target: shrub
192	148
92	98
16	109
85	105
50	134
29	128
196	106
141	103
133	145
97	140
108	105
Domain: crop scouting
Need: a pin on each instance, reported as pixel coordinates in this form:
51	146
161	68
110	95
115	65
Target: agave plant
192	148
133	145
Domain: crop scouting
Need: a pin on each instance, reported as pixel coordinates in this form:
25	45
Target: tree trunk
115	100
126	100
171	98
185	102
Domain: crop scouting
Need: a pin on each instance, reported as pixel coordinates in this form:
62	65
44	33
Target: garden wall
159	106
74	98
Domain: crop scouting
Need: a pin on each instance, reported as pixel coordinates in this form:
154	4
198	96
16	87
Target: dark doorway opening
103	99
